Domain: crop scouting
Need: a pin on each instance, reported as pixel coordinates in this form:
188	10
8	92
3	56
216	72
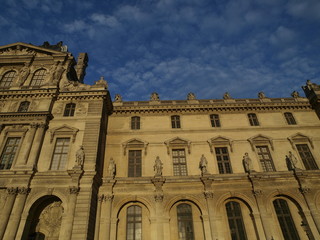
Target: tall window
253	119
288	228
306	156
265	158
134	168
38	78
7	79
9	152
134	223
179	162
223	160
175	121
60	154
185	222
24	106
215	121
135	123
235	221
69	110
290	119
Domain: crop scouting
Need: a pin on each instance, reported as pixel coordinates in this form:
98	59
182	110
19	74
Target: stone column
158	224
210	203
105	224
36	147
5	212
27	144
67	233
14	220
98	216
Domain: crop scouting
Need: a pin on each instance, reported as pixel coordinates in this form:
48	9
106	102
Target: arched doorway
44	219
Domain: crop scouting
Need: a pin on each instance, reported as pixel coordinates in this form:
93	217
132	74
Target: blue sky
174	47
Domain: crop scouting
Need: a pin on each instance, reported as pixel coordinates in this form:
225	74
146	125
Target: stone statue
247	163
23	74
261	95
154	96
203	165
157	167
191	96
295	94
291	161
226	95
118	98
112	168
310	85
80	156
58	72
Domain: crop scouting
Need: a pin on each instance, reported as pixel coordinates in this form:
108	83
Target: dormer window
38	78
24	106
7	79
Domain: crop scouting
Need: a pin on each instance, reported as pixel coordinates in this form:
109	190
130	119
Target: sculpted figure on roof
154	96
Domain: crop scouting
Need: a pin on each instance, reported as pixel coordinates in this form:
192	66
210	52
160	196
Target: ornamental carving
64	130
12	190
208	194
221	141
50	220
257	192
304	190
135	143
158	197
23	190
18	50
178	142
260	139
74	190
300	138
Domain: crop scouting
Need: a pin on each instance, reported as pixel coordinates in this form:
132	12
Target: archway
44	219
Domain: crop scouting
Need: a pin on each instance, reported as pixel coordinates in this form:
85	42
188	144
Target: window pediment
260	139
16	129
178	142
64	130
220	141
135	143
300	138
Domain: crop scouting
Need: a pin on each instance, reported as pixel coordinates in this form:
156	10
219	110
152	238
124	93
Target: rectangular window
306	157
134	168
175	121
179	162
215	121
60	154
253	119
290	119
134	223
69	110
223	160
265	158
9	152
135	123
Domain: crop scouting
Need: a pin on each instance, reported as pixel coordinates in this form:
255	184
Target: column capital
208	194
74	190
257	192
158	197
34	125
23	190
12	190
304	190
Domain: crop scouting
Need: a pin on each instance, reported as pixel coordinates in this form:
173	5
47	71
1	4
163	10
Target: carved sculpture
112	168
291	161
247	163
23	74
203	165
191	96
226	95
118	98
295	94
261	95
157	167
154	96
80	155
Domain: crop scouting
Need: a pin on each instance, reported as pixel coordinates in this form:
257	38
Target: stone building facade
75	165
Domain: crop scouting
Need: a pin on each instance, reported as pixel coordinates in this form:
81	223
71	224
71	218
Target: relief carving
23	74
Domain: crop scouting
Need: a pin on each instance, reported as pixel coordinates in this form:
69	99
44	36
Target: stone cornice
24	115
213	105
22	93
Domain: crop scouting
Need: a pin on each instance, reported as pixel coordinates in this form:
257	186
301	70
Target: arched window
185	222
24	106
69	110
135	123
286	222
175	121
235	221
134	223
7	79
290	118
38	78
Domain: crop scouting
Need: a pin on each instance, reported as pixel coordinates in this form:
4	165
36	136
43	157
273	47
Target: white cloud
106	20
282	36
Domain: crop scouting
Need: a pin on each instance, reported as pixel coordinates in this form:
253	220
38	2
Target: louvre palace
76	164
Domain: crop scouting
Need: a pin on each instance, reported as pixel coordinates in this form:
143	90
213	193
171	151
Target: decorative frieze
23	190
12	190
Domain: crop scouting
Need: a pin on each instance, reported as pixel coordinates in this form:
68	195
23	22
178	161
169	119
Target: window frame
134	167
223	163
38	77
185	220
135	123
179	167
175	122
236	217
309	162
263	161
136	216
60	154
290	119
24	106
15	154
253	119
69	109
215	120
7	80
